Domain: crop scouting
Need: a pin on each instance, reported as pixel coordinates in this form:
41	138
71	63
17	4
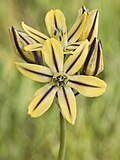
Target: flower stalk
63	135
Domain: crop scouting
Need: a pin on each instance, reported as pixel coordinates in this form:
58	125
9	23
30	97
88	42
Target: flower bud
94	62
90	30
20	40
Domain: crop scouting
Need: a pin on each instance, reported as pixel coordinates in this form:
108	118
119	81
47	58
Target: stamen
58	32
60	81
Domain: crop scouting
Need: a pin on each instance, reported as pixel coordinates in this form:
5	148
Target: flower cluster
65	62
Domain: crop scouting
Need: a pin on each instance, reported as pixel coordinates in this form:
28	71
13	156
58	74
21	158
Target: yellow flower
85	27
56	26
61	80
33	41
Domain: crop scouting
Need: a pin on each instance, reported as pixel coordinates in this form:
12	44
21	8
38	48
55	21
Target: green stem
63	134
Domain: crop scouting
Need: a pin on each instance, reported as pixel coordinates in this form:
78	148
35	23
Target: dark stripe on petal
75	31
83	84
92	47
55	22
54	59
28	36
43	97
66	99
69	68
60	38
38	47
40	58
37	35
39	73
27	42
18	47
83	9
93	27
97	60
34	39
36	57
73	45
23	39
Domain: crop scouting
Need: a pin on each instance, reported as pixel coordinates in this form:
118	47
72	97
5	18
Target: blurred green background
96	134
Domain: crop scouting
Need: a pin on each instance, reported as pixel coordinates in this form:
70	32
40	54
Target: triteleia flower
93	64
33	40
56	26
60	78
85	27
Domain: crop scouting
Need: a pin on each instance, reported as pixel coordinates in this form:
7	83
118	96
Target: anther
60	81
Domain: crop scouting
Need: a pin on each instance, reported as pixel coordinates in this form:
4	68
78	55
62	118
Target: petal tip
16	63
73	122
22	22
31	113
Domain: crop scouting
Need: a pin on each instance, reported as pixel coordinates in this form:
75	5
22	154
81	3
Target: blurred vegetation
96	134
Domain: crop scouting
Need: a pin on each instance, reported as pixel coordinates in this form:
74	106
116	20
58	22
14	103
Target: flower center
60	80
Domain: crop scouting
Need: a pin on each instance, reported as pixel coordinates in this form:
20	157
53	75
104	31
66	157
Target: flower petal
82	10
20	40
76	30
67	103
88	86
38	36
94	62
73	46
53	53
43	101
35	72
56	25
91	28
75	61
33	47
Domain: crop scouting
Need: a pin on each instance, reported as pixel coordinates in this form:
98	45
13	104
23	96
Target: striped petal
38	36
67	103
88	86
33	47
94	62
43	101
75	61
20	40
35	72
91	28
56	25
53	54
69	52
82	10
73	46
76	30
